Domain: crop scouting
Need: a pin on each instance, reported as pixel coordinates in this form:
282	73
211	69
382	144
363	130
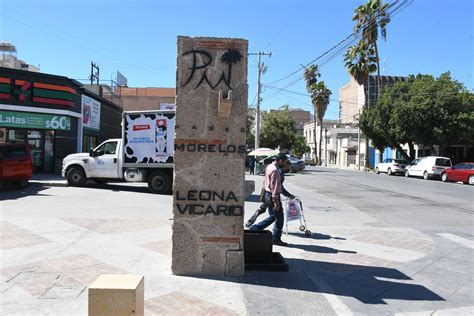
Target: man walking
273	189
263	207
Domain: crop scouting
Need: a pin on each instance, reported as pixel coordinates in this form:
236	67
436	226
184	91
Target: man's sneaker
247	225
280	243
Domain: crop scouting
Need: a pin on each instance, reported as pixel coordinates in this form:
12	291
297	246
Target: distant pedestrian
252	165
273	190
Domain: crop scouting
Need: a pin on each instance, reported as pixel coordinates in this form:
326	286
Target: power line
342	45
347	38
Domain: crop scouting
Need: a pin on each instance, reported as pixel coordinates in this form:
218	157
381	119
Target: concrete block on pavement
116	294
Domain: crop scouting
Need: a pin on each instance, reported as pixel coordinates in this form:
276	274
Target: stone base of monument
258	252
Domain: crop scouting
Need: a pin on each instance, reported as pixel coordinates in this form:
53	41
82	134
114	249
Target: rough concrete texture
117	294
209	157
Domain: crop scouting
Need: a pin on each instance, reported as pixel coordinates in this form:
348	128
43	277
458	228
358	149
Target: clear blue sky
139	38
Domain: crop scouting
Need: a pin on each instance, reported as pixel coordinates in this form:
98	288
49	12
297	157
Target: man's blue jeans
275	216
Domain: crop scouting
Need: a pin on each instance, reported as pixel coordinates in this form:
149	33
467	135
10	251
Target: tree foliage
372	17
319	94
278	131
299	146
250	123
421	110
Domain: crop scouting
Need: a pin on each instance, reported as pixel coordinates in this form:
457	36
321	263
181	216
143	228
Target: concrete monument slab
209	195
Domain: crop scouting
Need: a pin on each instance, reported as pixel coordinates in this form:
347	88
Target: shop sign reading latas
34	120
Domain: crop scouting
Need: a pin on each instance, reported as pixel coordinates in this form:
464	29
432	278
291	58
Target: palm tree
311	75
360	62
320	98
372	17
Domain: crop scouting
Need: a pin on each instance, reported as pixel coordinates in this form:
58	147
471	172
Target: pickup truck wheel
159	182
76	177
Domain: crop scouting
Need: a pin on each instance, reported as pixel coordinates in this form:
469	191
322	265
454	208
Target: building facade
9	60
55	115
138	99
300	116
339	145
352	101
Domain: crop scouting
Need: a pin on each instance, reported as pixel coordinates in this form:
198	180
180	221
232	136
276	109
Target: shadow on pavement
320	249
119	188
368	284
10	193
317	236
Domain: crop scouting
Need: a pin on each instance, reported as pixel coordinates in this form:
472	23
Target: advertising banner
293	210
90	113
34	120
149	138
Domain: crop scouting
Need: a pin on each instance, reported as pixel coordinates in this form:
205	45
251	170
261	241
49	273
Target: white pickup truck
143	154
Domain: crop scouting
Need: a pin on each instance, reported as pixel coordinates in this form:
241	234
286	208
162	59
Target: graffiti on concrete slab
202	59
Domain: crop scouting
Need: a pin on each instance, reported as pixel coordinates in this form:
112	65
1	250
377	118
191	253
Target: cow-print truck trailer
143	154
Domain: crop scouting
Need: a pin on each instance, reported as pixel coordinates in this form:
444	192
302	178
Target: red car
16	166
463	172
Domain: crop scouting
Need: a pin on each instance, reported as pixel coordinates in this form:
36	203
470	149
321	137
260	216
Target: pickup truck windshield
109	148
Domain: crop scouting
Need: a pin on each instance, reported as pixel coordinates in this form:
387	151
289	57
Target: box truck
143	154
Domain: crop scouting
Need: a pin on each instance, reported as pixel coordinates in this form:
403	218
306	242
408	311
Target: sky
138	38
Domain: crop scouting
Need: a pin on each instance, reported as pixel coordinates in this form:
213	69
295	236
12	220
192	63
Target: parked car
463	172
309	162
296	164
391	166
427	167
16	165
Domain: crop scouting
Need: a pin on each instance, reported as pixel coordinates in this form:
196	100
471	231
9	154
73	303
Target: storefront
46	112
37	130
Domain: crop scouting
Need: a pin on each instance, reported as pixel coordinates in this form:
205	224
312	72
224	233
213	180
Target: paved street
380	245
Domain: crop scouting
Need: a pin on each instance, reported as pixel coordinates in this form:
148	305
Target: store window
17	136
41	145
49	151
89	142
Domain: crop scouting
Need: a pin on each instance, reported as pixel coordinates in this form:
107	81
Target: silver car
391	166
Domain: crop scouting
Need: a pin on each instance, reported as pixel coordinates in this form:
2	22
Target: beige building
352	97
149	98
300	116
11	61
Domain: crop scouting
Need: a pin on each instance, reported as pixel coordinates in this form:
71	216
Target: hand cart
294	212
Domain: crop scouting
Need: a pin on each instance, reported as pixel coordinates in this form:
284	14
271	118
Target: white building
339	145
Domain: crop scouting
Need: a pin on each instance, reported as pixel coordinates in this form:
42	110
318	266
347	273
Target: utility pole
325	147
261	68
358	141
94	75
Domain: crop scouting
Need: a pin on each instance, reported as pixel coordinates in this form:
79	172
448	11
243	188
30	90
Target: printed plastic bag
293	210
